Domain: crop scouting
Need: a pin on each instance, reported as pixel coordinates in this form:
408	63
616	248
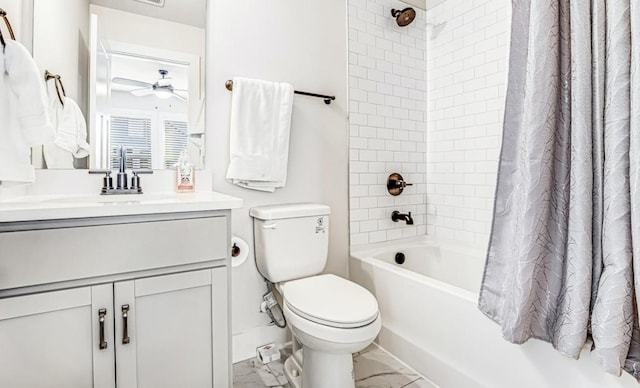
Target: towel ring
58	84
3	15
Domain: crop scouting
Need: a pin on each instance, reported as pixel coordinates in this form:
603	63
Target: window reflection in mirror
136	71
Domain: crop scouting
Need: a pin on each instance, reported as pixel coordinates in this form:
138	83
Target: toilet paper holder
235	250
239	251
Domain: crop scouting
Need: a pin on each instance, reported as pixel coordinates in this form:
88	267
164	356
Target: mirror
135	68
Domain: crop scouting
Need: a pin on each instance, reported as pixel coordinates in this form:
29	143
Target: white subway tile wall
387	109
467	61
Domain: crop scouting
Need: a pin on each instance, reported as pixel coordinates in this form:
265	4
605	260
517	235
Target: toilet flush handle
269	226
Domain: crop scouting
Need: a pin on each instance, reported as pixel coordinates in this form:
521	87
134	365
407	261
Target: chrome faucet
121	180
397	216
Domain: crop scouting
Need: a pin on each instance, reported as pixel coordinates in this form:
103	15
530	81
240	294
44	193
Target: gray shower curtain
564	254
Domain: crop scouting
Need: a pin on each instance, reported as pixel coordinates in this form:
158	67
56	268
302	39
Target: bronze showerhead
404	17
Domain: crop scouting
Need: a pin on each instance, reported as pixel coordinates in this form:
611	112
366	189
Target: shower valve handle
396	184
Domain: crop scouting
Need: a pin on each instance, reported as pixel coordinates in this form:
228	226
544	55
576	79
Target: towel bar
327	99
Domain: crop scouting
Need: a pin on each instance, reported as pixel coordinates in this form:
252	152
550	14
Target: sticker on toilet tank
320	225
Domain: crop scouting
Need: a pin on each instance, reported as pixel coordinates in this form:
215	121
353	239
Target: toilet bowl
329	316
332	318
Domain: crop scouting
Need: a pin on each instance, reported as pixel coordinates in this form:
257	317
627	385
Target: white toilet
330	316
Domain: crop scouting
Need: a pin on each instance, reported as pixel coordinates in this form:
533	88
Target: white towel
24	121
259	134
70	129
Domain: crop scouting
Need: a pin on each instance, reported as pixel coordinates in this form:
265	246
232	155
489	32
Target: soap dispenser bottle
185	174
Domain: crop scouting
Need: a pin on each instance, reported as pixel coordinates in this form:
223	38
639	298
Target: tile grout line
411	382
277	375
402	362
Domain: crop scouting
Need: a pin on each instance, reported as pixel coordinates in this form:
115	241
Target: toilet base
293	372
315	375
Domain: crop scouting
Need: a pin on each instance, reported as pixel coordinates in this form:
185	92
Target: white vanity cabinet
46	340
133	302
170	330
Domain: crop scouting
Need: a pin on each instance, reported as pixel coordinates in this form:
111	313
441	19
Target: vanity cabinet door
53	339
164	328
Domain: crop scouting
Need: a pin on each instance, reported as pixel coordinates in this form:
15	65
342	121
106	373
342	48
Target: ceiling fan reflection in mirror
162	88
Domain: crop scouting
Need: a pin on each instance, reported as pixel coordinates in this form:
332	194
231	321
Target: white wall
466	79
387	91
302	42
63	47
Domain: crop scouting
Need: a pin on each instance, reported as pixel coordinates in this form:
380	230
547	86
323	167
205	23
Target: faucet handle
395	184
107	181
135	179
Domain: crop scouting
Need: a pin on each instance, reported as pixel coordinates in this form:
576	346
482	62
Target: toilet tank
291	241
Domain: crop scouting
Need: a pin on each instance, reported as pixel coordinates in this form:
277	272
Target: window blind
134	133
175	141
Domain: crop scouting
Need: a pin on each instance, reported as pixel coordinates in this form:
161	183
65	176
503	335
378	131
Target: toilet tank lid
274	212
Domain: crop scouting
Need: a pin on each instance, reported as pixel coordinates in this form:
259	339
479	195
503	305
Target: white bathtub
431	322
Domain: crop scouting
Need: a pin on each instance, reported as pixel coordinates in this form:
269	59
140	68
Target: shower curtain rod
327	99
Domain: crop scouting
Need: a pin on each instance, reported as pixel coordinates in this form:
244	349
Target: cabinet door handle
102	313
125	326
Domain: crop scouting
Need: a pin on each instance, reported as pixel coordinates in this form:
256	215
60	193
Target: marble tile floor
374	368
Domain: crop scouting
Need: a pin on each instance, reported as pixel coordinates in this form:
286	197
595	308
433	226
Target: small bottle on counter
185	174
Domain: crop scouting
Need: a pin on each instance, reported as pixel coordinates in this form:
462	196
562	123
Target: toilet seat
331	301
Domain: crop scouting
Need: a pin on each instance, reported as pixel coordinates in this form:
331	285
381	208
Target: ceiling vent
157	3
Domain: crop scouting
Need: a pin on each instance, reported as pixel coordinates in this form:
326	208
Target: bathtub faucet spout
397	216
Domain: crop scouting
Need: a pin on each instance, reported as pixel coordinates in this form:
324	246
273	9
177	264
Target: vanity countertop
51	207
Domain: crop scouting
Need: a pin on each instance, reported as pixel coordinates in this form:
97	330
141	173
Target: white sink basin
50	207
113	198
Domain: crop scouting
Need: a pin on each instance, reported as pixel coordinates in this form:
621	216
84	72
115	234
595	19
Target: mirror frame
27	24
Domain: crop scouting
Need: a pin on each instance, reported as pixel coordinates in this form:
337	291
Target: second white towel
71	133
259	133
